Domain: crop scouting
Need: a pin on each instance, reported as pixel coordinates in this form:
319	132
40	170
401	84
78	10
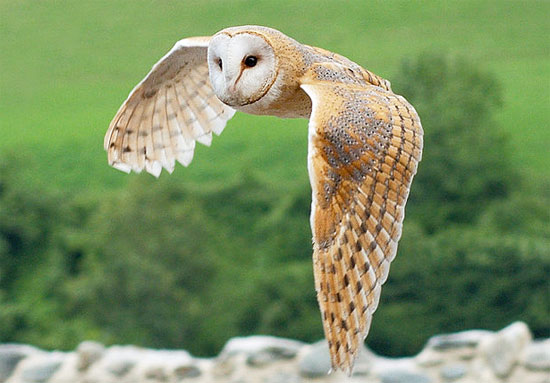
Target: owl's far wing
170	109
364	147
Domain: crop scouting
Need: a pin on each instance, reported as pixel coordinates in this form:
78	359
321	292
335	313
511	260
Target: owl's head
242	65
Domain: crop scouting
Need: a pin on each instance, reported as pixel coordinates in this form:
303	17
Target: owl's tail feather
348	291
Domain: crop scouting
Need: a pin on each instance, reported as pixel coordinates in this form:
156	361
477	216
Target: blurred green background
223	248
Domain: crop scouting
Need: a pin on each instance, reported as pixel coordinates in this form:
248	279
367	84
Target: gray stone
502	350
537	356
398	376
184	372
457	340
156	373
430	358
88	352
10	355
283	377
316	362
136	364
259	360
41	370
120	367
509	355
261	350
269	355
224	367
453	372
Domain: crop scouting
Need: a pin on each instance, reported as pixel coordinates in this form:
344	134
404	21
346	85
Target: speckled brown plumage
363	153
365	143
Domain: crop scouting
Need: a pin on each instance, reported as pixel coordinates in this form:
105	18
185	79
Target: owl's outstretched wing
364	146
168	111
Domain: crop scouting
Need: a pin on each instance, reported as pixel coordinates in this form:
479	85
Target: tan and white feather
365	143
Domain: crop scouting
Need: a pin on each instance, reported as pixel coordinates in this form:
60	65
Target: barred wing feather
364	146
166	113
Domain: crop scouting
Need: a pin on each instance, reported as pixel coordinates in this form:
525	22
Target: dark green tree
466	159
459	279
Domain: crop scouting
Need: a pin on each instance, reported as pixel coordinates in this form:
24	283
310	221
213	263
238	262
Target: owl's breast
284	99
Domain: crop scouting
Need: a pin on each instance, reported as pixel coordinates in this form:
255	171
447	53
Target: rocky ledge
509	355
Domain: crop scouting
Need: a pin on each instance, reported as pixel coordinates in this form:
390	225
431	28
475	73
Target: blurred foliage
462	278
164	264
466	161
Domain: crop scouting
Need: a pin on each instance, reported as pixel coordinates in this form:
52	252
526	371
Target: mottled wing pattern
168	111
364	146
341	63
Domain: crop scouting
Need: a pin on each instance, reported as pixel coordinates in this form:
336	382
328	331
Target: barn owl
364	145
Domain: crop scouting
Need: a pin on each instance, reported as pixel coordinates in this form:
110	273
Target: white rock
228	364
184	372
283	377
506	356
521	375
461	345
37	368
470	338
117	361
88	353
453	372
161	365
315	361
11	355
537	356
502	350
280	348
481	372
397	369
404	376
67	372
430	357
135	364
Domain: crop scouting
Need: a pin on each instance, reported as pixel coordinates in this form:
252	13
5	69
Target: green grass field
66	66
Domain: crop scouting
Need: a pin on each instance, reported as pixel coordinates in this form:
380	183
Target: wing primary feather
159	144
118	134
197	100
181	117
121	134
142	133
322	296
151	162
190	120
129	148
184	144
113	126
343	299
156	126
139	149
336	309
166	136
330	329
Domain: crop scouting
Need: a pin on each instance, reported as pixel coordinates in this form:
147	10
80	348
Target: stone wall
509	355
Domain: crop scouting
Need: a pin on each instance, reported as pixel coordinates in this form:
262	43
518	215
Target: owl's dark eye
250	61
220	64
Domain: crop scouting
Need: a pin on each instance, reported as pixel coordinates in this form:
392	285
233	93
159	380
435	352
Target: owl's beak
232	88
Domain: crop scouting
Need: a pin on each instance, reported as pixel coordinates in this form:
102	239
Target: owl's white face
242	68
